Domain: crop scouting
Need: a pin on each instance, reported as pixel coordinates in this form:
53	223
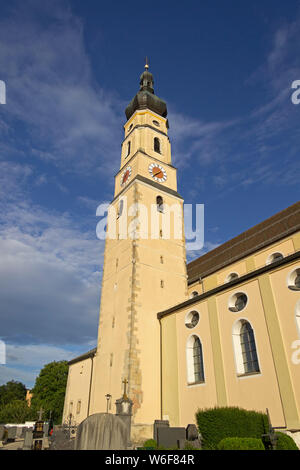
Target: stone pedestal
124	412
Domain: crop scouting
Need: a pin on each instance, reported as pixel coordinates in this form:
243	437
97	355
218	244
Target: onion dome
145	97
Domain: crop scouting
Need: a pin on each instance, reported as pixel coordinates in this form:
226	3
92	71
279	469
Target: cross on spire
125	382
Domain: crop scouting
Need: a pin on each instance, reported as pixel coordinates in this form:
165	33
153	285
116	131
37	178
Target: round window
156	123
237	302
294	280
192	319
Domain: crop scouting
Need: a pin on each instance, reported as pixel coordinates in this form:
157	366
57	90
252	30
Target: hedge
241	443
216	424
150	444
285	442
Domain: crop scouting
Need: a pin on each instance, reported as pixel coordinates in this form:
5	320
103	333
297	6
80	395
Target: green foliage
241	443
216	424
11	391
16	412
285	442
49	390
150	443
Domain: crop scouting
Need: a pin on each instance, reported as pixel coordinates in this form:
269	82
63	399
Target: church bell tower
144	268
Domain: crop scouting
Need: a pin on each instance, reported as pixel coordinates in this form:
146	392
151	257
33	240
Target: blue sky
225	70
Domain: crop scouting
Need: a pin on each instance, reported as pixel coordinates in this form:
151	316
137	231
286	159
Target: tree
12	391
16	411
49	390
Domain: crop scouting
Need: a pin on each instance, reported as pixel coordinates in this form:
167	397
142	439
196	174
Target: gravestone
159	423
124	412
168	437
60	440
193	436
11	433
2	432
102	431
19	432
28	440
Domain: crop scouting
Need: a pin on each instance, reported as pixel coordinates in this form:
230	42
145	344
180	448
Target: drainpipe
90	389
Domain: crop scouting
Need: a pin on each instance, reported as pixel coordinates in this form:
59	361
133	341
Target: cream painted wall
286	247
78	389
238	268
192	397
257	391
286	301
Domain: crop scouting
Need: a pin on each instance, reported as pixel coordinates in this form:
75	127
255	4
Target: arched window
160	204
121	207
195	369
274	257
245	348
157	144
231	277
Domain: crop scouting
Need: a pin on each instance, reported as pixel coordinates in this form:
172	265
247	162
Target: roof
261	235
228	285
84	356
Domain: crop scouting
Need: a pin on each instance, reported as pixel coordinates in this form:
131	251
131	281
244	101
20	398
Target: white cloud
68	119
49	277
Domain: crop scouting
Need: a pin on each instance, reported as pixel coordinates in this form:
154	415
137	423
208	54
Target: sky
70	67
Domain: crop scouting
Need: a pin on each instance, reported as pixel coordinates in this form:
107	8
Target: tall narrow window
195	368
128	148
245	348
157	145
78	407
160	204
250	360
121	206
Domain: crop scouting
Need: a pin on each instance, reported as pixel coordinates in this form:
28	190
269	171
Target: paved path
18	444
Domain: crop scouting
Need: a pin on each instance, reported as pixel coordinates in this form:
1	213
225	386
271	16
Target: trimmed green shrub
150	443
241	443
285	442
216	424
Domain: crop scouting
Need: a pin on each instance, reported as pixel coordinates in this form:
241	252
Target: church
223	330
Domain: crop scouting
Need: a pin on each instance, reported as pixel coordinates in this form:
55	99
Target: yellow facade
147	300
271	312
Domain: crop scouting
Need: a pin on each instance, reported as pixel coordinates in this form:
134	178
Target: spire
145	97
146	79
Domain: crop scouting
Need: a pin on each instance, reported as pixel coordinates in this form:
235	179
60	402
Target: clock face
125	175
157	172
